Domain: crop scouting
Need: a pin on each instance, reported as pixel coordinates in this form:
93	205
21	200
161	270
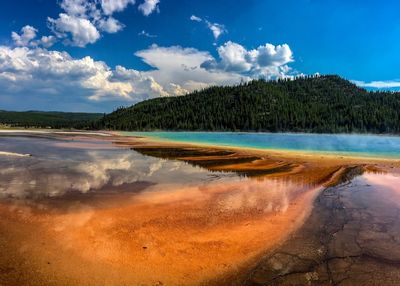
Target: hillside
311	104
48	119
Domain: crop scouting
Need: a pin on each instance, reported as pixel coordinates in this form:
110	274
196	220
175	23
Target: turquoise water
343	144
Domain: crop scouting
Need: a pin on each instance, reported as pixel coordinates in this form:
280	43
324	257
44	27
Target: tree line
43	119
319	104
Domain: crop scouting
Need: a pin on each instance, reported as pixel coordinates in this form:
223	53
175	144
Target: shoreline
272	153
284	153
266	132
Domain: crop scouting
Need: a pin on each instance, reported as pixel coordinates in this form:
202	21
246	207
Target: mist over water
342	144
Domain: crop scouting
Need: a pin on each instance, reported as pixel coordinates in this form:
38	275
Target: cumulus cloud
176	89
148	6
28	33
111	6
182	66
40	74
267	61
76	8
35	74
143	85
82	31
48	41
82	20
110	25
27	37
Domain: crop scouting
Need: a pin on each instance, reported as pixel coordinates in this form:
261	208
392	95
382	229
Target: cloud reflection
87	171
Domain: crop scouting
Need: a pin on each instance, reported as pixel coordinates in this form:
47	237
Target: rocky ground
351	238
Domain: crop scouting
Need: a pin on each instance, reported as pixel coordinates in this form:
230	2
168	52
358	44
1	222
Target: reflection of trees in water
255	167
218	160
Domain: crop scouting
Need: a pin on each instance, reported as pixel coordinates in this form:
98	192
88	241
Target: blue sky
96	55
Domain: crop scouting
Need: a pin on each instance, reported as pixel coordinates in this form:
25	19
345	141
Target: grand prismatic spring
198	209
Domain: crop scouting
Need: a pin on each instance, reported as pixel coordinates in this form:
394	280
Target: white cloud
82	20
148	6
143	86
37	74
28	33
146	34
48	41
176	89
76	8
111	6
378	84
40	74
182	66
27	38
267	61
82	31
234	57
216	29
110	25
269	54
195	18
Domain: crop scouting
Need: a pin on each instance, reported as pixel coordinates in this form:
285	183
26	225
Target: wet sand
218	232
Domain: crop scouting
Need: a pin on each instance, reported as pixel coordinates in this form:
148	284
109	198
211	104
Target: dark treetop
48	119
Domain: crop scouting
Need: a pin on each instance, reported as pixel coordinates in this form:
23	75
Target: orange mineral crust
171	234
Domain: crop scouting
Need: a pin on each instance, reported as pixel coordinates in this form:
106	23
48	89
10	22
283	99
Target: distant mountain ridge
45	119
319	104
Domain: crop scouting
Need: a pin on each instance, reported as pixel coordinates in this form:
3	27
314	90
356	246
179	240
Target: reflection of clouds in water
88	171
99	172
54	172
77	216
18	186
155	167
269	195
390	181
239	196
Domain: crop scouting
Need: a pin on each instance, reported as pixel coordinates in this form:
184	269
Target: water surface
341	144
58	166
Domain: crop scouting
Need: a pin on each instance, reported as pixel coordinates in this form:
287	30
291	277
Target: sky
98	55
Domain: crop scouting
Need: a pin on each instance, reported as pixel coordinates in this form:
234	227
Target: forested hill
50	119
310	104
